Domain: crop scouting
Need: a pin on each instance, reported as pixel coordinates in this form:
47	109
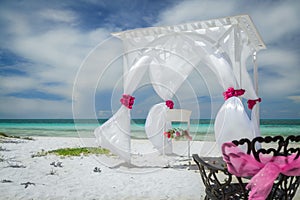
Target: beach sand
151	175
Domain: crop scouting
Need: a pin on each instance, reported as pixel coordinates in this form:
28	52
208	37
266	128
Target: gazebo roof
243	21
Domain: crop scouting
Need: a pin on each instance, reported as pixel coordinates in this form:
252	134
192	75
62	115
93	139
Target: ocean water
200	129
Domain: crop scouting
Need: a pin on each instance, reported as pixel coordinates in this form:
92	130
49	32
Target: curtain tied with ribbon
233	111
231	92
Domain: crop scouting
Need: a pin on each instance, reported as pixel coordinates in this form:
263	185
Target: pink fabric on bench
263	173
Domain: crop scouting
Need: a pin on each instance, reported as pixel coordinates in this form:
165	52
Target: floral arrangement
177	133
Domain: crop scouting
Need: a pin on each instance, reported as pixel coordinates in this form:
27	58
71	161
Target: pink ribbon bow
127	100
263	173
170	104
252	102
232	92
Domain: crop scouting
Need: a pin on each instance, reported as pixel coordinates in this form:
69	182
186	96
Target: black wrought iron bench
221	185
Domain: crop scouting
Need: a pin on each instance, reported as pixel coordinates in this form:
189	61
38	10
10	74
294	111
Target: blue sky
43	45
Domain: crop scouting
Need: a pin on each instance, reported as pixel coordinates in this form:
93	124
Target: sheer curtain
165	79
232	121
114	134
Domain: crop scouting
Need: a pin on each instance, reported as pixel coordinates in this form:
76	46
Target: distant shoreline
200	129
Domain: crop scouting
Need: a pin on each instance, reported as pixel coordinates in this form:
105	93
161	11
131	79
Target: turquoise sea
200	129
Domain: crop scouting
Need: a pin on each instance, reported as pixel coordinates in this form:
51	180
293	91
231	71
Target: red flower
167	134
252	102
232	92
170	104
127	100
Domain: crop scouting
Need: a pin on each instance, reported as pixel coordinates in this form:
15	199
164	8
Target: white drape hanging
175	54
232	121
114	134
166	80
170	53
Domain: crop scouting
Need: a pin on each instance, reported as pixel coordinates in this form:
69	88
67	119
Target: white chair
179	115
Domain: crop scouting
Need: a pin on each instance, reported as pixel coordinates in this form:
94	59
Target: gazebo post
255	81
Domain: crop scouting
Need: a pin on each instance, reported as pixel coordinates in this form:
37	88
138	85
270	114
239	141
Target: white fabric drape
114	134
232	121
154	127
165	80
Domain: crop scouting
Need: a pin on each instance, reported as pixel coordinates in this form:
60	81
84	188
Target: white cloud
13	107
16	24
281	59
295	99
195	10
55	55
66	16
15	84
279	73
55	48
278	20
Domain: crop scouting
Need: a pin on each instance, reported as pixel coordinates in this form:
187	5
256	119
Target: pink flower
252	102
170	104
230	92
127	100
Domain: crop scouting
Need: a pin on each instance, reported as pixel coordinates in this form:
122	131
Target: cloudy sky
46	46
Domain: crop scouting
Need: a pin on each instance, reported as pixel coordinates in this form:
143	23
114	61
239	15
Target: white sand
145	179
76	179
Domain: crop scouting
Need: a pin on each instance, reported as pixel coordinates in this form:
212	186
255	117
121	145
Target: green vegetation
75	151
4	135
80	151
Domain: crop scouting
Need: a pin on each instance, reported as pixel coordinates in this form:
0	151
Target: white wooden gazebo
168	55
